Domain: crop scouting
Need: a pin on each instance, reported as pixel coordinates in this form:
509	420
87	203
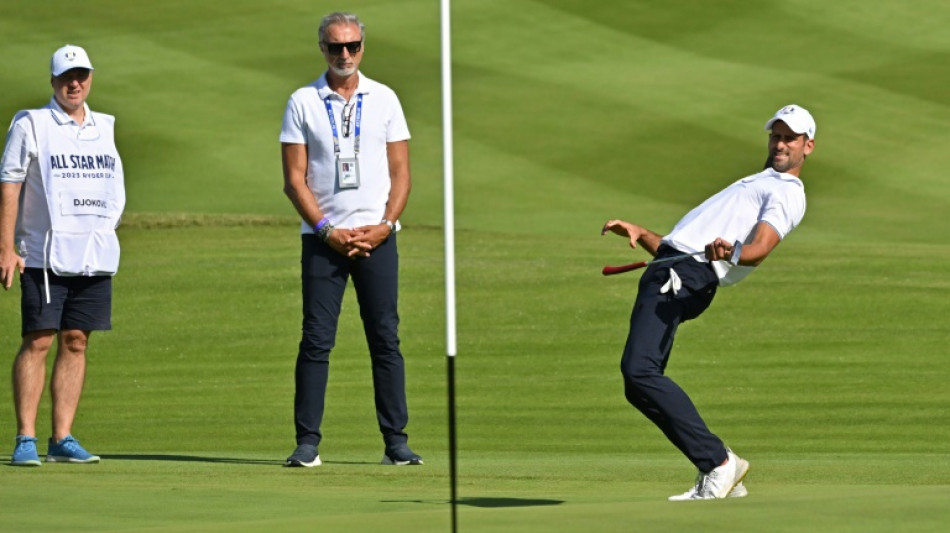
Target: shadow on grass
488	502
507	502
188	459
221	460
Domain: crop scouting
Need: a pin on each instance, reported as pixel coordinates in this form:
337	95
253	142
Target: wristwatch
392	225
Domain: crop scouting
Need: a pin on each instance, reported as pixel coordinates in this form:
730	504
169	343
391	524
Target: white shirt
382	121
772	197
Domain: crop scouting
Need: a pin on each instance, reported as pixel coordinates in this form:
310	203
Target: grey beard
342	71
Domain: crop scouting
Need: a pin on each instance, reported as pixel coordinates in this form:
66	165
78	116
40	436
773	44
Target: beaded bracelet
323	229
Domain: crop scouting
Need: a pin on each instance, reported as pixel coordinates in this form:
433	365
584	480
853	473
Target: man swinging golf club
737	229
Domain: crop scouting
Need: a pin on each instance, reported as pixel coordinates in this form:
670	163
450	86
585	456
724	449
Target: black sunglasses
79	74
347	118
337	48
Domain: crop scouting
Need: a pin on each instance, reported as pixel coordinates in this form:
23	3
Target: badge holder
348	172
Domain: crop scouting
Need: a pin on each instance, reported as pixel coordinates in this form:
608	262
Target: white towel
674	283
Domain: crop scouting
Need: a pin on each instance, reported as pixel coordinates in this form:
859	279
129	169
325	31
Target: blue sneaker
304	455
69	450
25	452
400	455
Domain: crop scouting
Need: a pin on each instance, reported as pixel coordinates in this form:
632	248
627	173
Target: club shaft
611	270
675	258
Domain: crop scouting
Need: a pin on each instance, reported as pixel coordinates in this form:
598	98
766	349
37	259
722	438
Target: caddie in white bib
85	195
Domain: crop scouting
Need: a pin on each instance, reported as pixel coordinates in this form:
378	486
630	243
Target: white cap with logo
68	57
797	118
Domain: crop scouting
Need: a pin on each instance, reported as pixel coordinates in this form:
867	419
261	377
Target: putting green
826	369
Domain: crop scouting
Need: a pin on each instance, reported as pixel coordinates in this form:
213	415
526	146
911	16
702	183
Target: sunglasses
337	48
348	118
78	74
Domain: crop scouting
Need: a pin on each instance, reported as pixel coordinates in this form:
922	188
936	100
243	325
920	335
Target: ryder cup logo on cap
797	118
69	57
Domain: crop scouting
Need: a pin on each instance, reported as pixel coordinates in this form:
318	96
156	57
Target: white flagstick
449	209
449	202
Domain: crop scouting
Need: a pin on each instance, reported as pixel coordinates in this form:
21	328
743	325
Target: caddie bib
85	193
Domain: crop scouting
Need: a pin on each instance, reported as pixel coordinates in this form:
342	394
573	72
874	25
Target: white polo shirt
382	121
772	197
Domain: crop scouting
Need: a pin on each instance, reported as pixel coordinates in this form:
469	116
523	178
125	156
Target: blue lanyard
356	126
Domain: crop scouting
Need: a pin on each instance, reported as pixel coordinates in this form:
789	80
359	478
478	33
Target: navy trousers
324	275
653	325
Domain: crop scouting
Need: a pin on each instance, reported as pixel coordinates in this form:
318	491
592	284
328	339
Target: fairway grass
188	399
827	369
498	492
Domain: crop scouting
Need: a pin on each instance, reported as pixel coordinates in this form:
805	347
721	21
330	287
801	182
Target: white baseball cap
68	57
797	118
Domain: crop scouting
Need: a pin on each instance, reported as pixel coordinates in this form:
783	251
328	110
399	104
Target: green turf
827	369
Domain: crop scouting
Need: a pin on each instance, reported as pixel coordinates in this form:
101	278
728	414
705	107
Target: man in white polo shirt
61	197
345	150
729	234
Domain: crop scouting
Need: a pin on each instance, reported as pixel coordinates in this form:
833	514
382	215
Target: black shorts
76	302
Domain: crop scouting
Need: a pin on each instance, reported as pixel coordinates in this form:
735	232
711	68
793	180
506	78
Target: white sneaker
693	494
739	491
720	482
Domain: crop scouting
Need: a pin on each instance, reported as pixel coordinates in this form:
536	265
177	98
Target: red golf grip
611	270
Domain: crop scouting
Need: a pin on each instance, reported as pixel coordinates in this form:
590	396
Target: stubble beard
788	164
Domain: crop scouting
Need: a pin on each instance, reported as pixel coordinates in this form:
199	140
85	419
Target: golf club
611	270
